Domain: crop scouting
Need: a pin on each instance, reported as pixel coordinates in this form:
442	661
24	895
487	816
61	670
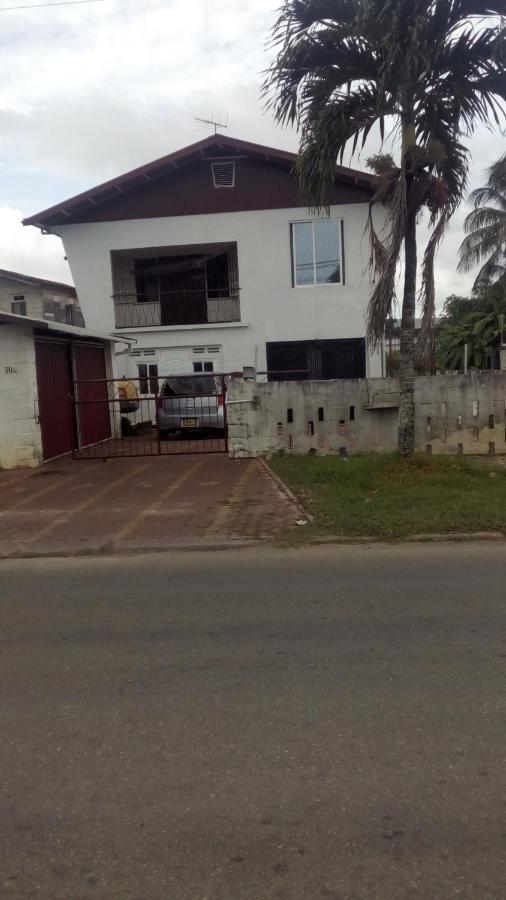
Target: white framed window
317	252
18	305
203	366
148	378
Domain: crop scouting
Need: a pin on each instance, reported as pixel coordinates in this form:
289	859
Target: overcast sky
90	91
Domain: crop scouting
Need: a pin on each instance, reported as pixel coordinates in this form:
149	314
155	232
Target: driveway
72	507
312	724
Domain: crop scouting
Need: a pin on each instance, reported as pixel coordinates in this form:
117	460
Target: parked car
191	403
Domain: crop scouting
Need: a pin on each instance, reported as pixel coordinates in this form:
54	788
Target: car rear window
189	387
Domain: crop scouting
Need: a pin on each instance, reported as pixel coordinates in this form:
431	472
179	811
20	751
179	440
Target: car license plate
190	423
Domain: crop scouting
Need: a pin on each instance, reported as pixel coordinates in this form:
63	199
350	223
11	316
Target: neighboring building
208	258
25	295
46	367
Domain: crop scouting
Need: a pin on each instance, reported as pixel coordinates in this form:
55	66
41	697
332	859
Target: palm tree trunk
406	435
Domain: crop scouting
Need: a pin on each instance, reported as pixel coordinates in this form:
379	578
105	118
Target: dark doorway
183	291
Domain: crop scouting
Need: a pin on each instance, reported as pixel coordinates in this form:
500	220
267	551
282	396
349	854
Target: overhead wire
45	5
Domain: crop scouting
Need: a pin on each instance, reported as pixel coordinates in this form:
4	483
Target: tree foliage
476	321
435	66
485	228
433	69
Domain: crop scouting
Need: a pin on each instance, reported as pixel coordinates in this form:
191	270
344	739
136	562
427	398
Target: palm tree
477	321
434	68
485	228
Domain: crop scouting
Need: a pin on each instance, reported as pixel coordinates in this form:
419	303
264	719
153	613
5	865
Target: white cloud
115	84
28	251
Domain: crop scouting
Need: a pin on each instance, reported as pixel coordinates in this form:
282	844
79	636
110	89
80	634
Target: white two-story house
208	259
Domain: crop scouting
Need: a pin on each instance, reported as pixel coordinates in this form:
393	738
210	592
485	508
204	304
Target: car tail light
221	399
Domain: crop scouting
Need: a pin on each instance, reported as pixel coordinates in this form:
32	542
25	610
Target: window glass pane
327	251
153	379
143	380
208	367
303	252
197	367
189	387
18	307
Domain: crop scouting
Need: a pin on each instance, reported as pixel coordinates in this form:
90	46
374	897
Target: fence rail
159	425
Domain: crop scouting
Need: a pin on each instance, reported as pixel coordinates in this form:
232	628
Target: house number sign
10	370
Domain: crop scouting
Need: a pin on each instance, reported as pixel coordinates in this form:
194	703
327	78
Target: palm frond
488	194
326	135
477	245
386	261
486	216
427	290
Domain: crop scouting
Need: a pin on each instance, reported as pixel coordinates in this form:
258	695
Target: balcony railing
68	315
174	308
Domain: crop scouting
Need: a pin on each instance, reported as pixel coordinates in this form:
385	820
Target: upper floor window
317	252
18	305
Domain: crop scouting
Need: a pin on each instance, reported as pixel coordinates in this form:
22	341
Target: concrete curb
286	490
110	550
323	540
450	537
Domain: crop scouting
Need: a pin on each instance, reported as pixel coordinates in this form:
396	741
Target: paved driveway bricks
73	507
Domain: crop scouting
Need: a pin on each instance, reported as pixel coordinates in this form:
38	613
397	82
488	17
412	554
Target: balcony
178	308
169	287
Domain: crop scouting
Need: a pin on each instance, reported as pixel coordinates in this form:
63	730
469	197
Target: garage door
56	414
94	422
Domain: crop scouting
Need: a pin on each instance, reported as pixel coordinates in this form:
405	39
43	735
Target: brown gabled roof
38	282
172	162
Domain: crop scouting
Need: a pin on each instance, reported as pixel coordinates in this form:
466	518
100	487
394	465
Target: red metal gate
90	385
140	424
54	386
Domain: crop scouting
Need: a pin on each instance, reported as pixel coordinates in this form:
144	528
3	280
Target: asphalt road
321	723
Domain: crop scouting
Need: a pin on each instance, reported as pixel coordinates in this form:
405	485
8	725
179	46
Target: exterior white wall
271	309
20	436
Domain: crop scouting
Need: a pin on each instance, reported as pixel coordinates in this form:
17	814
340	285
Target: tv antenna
212	121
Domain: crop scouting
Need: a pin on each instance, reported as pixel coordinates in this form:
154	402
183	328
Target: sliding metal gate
146	420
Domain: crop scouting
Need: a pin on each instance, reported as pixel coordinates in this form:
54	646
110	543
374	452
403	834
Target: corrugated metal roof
32	279
8	318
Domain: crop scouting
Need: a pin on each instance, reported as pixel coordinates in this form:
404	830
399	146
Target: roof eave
55	215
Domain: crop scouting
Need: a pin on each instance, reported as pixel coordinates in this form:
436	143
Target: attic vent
135	352
223	174
213	349
199	350
149	352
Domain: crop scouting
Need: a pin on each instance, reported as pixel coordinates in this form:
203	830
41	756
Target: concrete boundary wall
454	414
